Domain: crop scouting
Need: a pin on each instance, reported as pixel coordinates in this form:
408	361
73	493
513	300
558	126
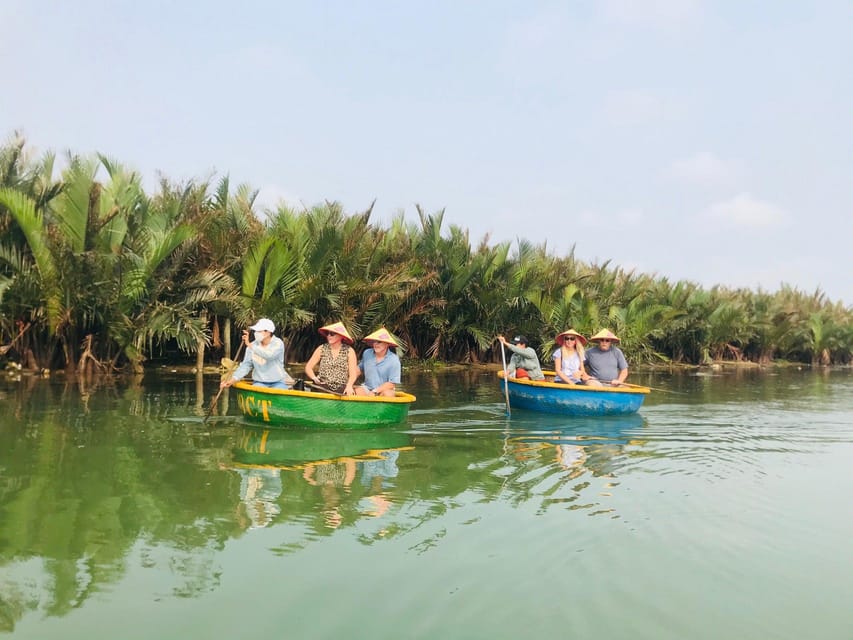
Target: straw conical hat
561	337
339	329
382	335
605	334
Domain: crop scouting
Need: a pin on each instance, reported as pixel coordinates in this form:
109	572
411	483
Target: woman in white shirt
568	358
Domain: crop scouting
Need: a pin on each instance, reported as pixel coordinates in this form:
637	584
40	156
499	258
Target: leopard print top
334	372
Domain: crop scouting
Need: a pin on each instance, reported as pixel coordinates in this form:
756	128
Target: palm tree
227	226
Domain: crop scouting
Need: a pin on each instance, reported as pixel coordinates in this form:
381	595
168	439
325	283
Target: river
721	510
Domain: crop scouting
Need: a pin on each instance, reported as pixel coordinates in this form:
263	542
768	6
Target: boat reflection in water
329	480
578	444
339	474
583	427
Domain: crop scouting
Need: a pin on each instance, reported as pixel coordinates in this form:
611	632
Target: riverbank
14	370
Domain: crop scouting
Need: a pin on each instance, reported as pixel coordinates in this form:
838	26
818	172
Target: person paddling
524	362
264	357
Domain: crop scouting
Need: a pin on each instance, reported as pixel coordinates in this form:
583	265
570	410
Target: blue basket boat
572	399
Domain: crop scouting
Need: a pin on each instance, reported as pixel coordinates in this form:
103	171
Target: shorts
277	384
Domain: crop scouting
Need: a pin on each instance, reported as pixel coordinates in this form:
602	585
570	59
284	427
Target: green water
722	510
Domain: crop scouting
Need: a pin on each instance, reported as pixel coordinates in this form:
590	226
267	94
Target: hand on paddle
229	380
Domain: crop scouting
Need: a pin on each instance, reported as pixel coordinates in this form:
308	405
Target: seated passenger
337	366
380	365
568	358
604	362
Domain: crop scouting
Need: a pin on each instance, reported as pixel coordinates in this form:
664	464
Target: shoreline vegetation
99	277
422	366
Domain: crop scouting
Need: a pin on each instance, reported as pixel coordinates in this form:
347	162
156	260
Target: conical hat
382	335
561	337
605	334
339	329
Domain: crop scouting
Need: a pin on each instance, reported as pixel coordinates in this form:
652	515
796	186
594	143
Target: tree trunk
68	353
216	334
199	356
29	360
226	337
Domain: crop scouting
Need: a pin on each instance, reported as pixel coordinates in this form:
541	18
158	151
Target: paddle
506	379
321	387
6	347
231	370
643	386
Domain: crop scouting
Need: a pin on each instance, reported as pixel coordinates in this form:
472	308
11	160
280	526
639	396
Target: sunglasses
569	339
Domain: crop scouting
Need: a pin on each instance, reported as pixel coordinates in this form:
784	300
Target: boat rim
562	386
401	397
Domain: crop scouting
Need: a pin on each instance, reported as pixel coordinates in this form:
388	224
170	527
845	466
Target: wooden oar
506	379
234	365
643	386
6	347
321	387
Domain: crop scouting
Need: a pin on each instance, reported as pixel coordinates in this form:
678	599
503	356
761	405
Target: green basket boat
288	408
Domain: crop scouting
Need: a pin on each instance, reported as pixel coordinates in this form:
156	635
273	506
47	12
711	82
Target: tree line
97	275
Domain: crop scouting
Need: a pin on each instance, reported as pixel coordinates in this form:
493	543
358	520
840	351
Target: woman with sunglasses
335	362
568	358
605	362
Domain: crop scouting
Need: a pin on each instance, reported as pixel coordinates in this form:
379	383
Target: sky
700	140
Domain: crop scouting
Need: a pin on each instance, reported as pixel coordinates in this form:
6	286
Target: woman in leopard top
335	362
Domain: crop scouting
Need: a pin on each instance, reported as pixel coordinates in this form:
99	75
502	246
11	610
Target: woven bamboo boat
572	399
290	408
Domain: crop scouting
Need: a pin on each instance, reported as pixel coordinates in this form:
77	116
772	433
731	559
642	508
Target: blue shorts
278	384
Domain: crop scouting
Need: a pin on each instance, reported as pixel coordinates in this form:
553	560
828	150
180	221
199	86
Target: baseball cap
264	324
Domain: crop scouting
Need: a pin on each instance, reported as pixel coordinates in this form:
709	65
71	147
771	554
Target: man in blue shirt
380	365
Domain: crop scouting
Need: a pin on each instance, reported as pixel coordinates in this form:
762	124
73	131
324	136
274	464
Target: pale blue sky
699	140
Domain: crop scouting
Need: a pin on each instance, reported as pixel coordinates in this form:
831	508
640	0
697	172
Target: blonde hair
578	348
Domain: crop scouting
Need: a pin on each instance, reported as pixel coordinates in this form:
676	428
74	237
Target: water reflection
571	463
96	482
259	492
328	462
330	481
